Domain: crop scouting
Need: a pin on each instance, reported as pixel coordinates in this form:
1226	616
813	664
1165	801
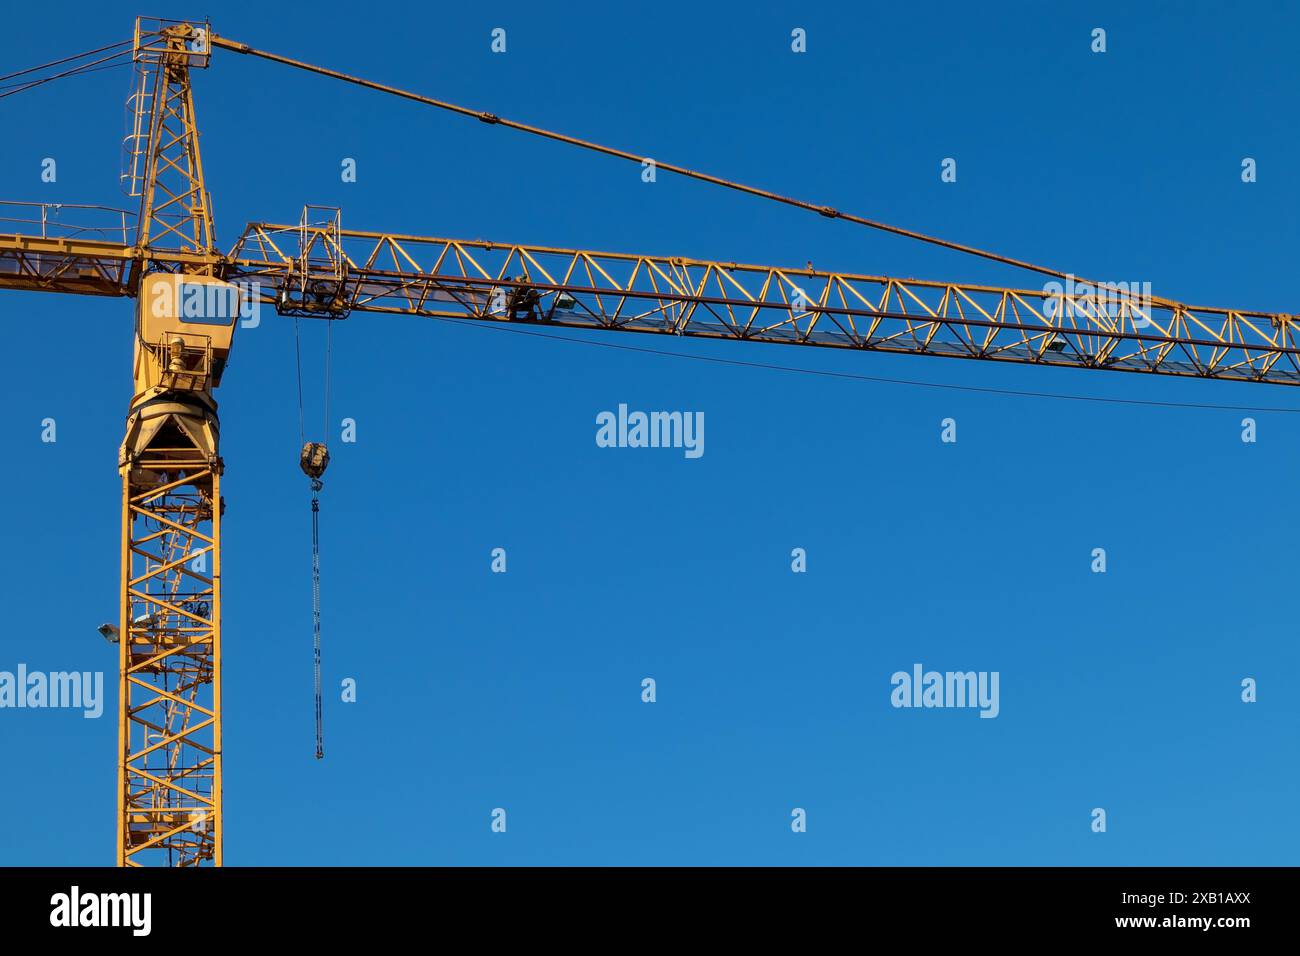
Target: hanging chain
315	612
314	459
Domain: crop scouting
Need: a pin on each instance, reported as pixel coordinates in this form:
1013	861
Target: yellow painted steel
169	768
1078	327
175	209
169	761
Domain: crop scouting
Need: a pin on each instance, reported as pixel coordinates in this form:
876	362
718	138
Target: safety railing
67	221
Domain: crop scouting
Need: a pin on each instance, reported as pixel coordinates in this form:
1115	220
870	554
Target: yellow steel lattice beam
451	278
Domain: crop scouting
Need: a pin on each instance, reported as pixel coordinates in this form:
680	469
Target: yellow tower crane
189	296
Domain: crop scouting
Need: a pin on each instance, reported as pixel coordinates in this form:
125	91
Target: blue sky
478	690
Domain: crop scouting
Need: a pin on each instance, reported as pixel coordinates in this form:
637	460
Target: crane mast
169	691
188	298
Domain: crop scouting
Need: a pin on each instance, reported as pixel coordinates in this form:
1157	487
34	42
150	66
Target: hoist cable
316	486
493	119
315	546
329	351
297	356
86	68
66	59
20	87
850	376
316	622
